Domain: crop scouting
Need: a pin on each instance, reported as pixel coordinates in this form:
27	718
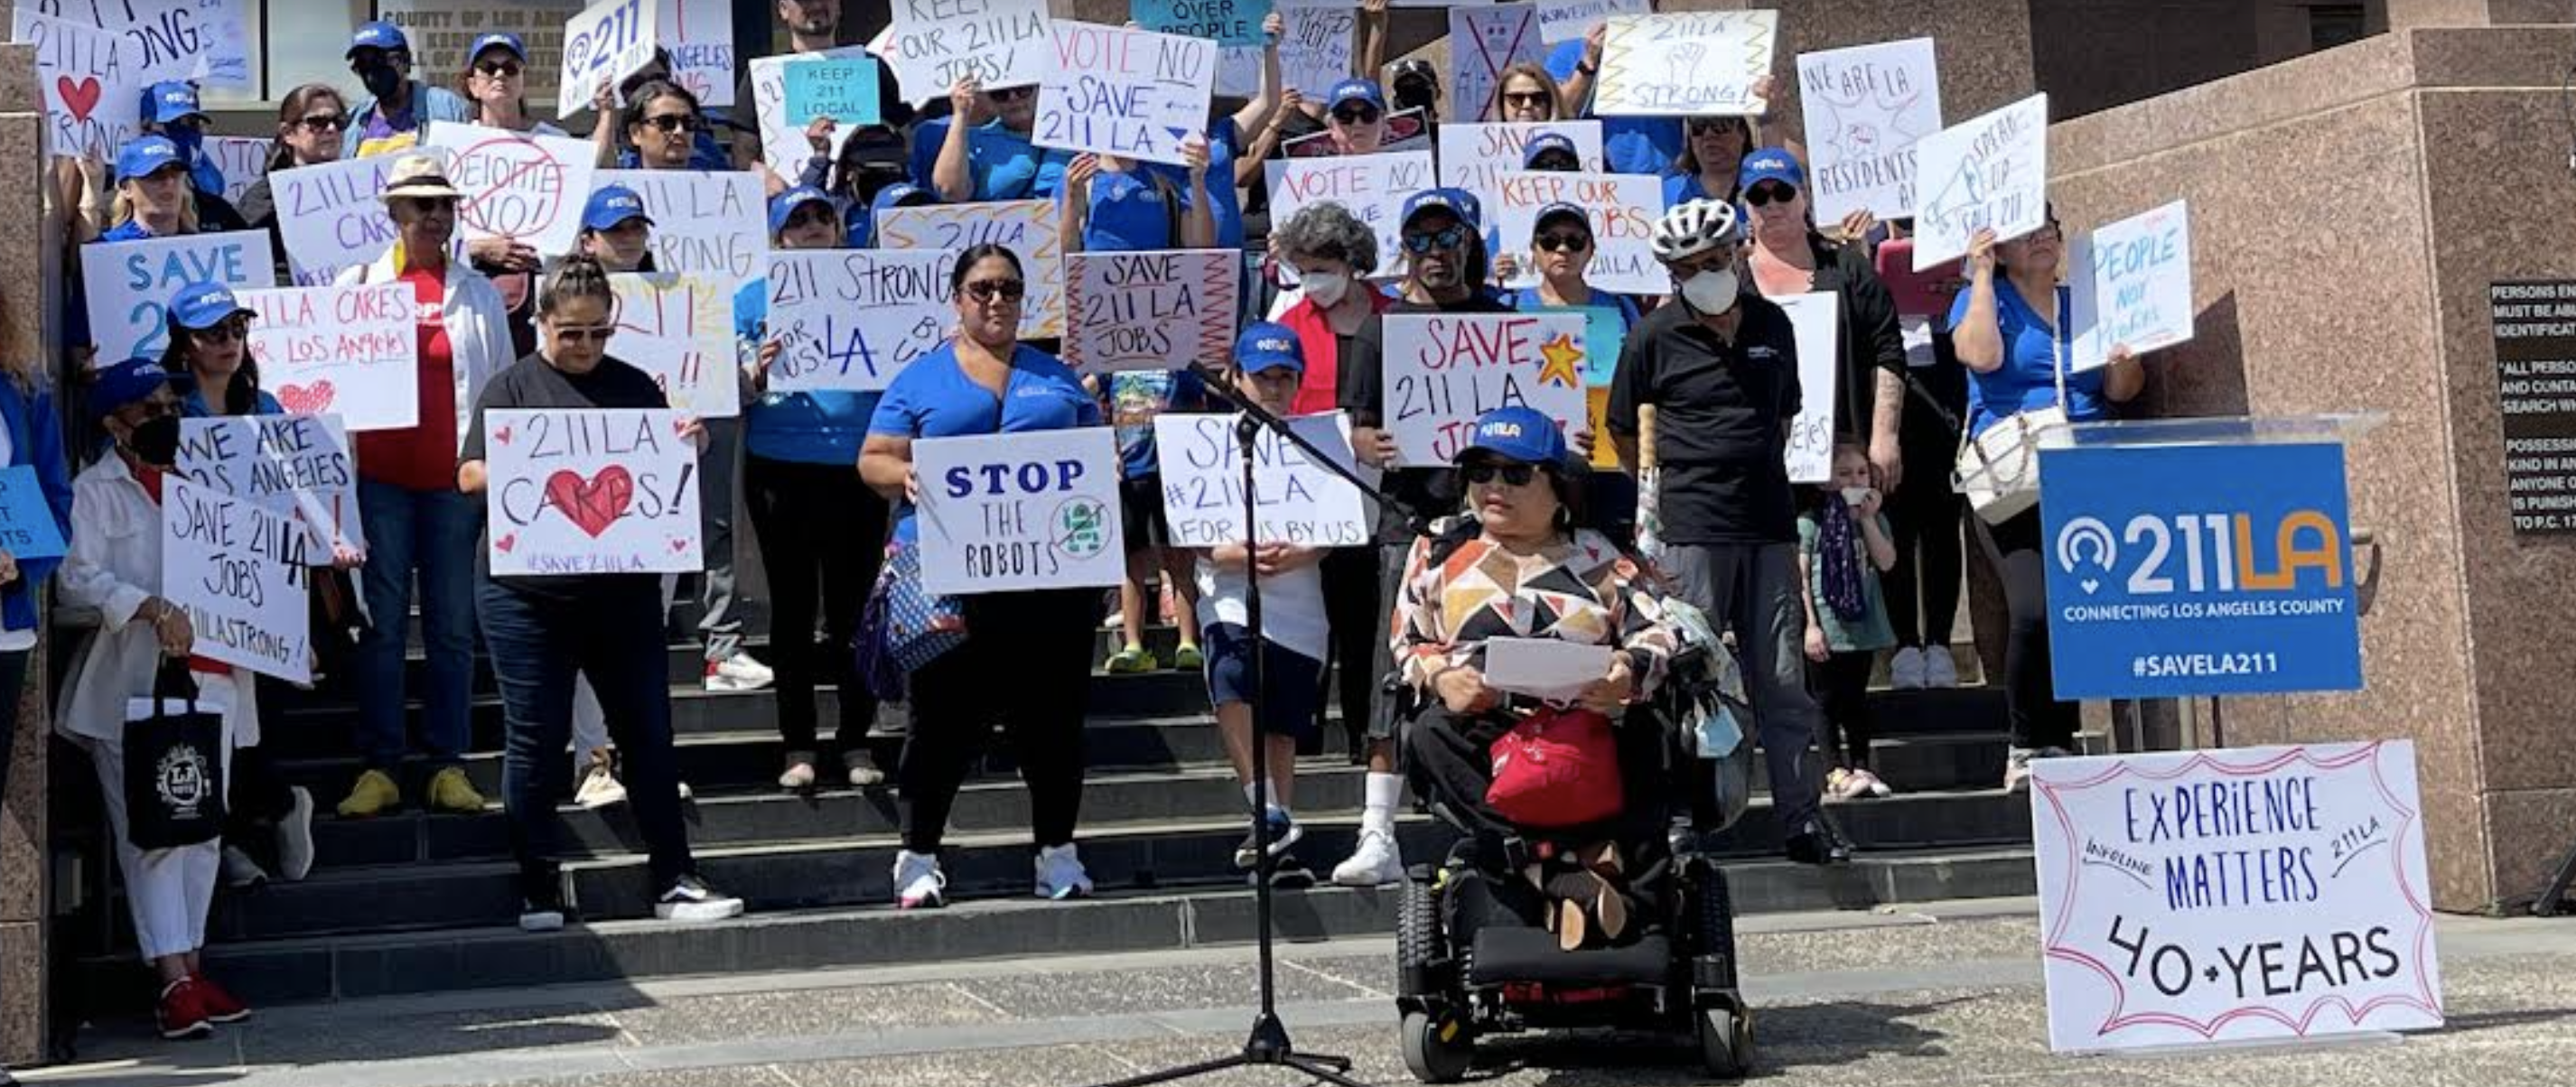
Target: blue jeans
435	533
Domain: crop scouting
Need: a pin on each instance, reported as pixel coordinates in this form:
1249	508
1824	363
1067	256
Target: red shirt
1320	349
422	458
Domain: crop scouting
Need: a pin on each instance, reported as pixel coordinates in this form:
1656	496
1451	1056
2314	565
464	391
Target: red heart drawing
505	543
313	399
593	504
80	98
501	435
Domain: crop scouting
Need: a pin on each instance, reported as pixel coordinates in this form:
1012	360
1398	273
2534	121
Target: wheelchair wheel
1726	1042
1417	936
1716	920
1438	1048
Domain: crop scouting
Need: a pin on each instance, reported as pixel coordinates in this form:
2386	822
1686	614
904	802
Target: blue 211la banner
2198	570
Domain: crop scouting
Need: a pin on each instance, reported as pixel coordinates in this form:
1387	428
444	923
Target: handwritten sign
202	41
130	284
1031	228
853	319
1991	171
591	491
1226	22
27	526
1132	93
93	94
1684	63
518	187
843	90
330	217
1817	316
237	568
2138	294
935	43
782	145
1866	109
1372	187
606	42
1444	370
243	159
1297	501
351	352
295	465
1315	52
1005	512
1475	156
442	30
1622	209
1482	42
679	328
710	223
699	36
1149	311
2225	896
1571	20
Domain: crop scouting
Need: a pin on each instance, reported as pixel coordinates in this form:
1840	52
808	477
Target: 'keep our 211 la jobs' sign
1005	512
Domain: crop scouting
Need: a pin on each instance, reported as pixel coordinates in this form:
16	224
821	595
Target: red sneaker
182	1011
220	1006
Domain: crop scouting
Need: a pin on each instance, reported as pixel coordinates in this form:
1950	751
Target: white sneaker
240	871
1905	670
2017	770
918	882
599	788
1376	863
1939	671
738	673
690	899
1060	874
295	837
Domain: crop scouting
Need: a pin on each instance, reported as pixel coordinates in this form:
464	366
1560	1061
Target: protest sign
679	328
2137	293
1372	187
843	90
1238	71
93	95
1297	501
1149	311
1686	63
853	319
591	491
1482	42
1866	108
699	36
295	465
935	43
607	42
1123	92
130	284
1006	512
1623	209
352	352
1817	316
27	526
2200	898
1572	20
1991	171
243	159
237	568
206	42
1229	23
441	31
330	217
1315	52
523	188
782	145
1474	156
1443	371
1032	228
713	223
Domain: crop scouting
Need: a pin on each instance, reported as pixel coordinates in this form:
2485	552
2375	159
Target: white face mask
1711	291
1326	288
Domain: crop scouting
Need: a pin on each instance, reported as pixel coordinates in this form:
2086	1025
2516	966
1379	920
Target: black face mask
381	80
156	442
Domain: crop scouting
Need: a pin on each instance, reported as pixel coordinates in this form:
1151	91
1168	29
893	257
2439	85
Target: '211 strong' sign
2198	570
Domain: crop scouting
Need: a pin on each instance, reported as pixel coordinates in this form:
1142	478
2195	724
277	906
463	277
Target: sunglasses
1555	160
1561	241
1768	193
501	69
1524	98
1701	126
583	333
672	124
323	122
1512	475
1360	116
1008	290
1450	238
1013	94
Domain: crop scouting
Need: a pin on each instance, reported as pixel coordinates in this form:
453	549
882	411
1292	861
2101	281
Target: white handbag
1999	470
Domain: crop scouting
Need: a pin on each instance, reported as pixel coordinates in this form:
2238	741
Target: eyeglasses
1701	126
672	124
1013	94
1512	475
1524	98
1768	193
1008	290
1358	116
323	122
501	69
233	328
1564	241
1450	238
583	333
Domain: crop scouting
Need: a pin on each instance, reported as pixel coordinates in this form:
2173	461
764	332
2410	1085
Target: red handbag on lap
1557	768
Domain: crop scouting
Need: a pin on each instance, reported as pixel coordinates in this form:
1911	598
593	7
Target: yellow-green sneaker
371	796
1132	660
1188	658
449	791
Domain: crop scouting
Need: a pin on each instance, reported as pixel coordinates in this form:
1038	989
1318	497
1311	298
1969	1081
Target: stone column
25	261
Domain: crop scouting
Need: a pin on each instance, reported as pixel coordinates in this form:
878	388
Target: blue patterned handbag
905	627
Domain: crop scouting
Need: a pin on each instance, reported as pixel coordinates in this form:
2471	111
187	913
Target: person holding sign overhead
2013	354
1026	658
31	436
495	81
1790	257
389	119
994	160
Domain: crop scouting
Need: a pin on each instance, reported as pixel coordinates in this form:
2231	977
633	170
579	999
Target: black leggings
1841	686
822	537
1026	662
1358	633
2031	705
1925	513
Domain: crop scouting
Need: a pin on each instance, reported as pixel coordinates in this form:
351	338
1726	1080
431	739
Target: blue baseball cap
1267	346
142	157
782	207
1561	210
1545	142
612	205
1457	202
201	306
1522	434
170	101
510	42
128	382
382	36
901	194
1356	90
1772	164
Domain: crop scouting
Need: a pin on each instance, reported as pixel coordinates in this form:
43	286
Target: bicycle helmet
1693	228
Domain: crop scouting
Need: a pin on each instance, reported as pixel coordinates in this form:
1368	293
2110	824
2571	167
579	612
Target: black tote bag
174	767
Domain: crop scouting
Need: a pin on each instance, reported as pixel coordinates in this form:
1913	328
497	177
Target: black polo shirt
1722	418
1430	491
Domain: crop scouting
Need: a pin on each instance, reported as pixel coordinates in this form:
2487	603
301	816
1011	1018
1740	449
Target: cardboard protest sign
679	328
2129	285
237	568
699	36
523	188
1225	22
130	284
1297	501
1238	71
1031	228
1866	109
206	42
2207	897
1623	209
295	465
1149	311
1315	52
1372	187
1684	63
1990	171
1482	42
1006	512
1817	316
591	491
1475	156
1571	20
607	42
935	43
1132	93
843	90
350	352
1445	370
27	526
330	217
782	145
93	94
442	30
853	319
243	159
713	223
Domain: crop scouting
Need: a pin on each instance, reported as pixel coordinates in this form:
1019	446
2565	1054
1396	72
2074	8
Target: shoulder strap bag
1998	470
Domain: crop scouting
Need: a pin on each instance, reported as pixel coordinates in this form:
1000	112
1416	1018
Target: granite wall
24	268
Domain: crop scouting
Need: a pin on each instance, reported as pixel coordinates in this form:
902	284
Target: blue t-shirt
1135	397
927	137
1681	188
1006	166
801	427
2025	381
1526	300
1225	202
1631	145
1129	213
933	398
193	405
